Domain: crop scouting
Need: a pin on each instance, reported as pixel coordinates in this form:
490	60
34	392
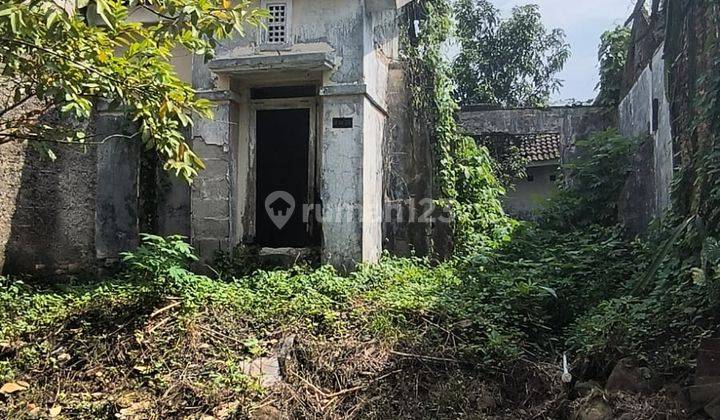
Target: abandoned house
308	112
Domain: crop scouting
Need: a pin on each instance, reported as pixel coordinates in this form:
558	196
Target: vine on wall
464	177
693	56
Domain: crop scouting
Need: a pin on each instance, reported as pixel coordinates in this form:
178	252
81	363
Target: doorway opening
285	175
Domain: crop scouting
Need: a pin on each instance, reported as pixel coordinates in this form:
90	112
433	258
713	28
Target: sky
583	21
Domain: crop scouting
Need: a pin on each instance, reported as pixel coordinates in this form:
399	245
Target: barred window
277	23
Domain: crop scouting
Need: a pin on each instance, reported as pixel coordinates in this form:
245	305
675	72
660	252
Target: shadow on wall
48	210
78	213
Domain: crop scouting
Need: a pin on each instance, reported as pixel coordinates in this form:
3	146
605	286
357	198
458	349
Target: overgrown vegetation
466	183
162	341
589	186
128	346
61	59
480	334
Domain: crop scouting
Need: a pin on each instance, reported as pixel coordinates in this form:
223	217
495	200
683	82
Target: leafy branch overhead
58	63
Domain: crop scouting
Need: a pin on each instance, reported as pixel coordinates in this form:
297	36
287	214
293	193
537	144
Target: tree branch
16	104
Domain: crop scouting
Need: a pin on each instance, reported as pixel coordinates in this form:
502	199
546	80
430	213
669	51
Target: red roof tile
534	147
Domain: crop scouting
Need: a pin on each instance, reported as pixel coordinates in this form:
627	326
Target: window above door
278	33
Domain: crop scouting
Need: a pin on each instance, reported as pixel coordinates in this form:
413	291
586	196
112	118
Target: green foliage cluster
589	185
62	62
664	321
673	303
612	55
509	62
509	165
159	259
464	170
654	298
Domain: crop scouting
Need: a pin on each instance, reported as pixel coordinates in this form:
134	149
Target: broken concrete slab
708	359
265	369
628	377
596	408
270	370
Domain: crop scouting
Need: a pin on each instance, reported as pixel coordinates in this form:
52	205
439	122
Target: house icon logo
279	206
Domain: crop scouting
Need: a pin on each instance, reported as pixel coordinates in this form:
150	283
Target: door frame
309	103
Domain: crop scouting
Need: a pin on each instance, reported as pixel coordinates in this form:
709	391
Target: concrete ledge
343	90
382	5
352	90
273	62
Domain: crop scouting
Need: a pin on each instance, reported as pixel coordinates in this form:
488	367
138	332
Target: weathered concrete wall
116	211
373	131
212	190
78	213
12	163
341	183
381	49
47	210
645	113
571	123
408	180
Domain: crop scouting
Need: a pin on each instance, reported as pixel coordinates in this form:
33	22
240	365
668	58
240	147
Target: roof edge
487	107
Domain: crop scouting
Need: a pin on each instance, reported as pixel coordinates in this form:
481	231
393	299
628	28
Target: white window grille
278	23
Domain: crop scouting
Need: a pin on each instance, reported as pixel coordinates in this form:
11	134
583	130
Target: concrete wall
571	123
407	175
211	204
341	191
47	210
73	215
646	195
373	131
116	203
77	214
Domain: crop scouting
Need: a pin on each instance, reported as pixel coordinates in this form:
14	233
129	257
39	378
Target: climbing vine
692	58
464	177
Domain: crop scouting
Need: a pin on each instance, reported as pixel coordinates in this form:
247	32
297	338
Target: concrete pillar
211	203
341	181
351	181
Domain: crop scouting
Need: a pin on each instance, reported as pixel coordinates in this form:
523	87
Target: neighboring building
541	154
545	138
645	113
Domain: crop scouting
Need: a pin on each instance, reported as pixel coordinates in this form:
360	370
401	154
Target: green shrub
664	322
590	185
159	260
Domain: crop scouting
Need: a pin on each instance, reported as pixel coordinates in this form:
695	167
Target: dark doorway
283	143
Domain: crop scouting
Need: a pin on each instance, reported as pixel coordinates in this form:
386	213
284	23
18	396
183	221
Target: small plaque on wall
342	122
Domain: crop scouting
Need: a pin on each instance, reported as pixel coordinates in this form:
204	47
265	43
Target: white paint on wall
529	194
